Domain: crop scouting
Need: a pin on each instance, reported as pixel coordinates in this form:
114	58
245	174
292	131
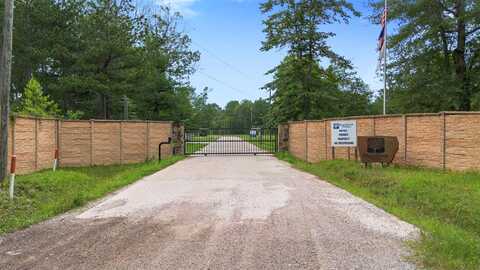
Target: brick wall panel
46	143
133	142
316	141
159	132
75	147
365	127
463	142
392	126
106	140
424	141
296	144
25	145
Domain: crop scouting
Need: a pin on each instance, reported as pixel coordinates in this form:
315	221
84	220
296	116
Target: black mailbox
380	149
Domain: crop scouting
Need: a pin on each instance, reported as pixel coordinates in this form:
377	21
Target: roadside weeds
445	205
43	195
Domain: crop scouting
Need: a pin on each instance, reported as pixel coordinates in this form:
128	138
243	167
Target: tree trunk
5	82
459	57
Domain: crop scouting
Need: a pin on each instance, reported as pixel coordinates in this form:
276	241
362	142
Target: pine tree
35	103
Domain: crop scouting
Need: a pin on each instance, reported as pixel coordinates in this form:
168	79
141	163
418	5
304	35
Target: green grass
42	195
264	142
194	147
208	138
445	205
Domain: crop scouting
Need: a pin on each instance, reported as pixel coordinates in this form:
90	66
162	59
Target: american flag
381	37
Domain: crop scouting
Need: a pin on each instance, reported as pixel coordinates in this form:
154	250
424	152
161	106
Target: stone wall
449	140
85	143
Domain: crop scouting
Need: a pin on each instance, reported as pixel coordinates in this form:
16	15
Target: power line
218	58
222	82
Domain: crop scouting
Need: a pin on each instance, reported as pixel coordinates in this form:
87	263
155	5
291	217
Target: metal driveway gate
254	141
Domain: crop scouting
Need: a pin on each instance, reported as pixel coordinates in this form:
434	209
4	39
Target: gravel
224	212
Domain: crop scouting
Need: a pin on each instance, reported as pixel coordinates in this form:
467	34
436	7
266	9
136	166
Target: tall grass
445	205
42	195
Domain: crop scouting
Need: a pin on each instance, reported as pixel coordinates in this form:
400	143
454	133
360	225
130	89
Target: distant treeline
93	57
434	58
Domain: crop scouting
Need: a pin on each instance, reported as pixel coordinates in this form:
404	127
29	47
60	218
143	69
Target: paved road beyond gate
254	141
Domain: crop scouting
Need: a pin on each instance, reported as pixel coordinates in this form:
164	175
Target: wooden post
444	140
36	144
5	83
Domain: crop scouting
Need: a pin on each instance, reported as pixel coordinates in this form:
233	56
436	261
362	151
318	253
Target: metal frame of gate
253	141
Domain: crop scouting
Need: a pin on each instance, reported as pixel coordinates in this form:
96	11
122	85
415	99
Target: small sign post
13	165
344	133
55	160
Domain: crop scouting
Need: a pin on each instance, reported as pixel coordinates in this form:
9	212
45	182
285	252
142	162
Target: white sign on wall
344	133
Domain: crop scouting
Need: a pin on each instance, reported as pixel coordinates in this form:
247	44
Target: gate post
178	131
283	137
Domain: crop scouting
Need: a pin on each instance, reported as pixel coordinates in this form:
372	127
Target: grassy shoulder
193	147
444	205
266	143
207	138
42	195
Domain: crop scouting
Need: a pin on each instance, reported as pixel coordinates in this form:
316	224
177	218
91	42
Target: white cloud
182	6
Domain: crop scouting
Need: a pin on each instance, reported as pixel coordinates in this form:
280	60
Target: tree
35	103
435	54
295	25
342	92
89	54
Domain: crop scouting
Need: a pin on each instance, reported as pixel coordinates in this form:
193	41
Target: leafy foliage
435	55
35	103
89	54
302	88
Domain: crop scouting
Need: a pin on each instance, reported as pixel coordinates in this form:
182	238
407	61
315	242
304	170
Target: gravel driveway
230	144
223	212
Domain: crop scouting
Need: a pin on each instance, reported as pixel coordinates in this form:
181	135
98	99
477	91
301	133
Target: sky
228	34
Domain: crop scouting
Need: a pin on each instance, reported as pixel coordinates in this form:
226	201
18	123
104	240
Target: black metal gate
253	141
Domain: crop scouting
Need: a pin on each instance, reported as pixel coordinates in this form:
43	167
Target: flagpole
385	62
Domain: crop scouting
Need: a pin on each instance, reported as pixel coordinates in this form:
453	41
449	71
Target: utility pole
125	107
385	62
5	83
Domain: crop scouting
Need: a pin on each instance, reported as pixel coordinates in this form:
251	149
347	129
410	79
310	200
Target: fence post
444	140
13	166
121	142
92	141
306	140
36	144
59	142
147	141
326	138
405	137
